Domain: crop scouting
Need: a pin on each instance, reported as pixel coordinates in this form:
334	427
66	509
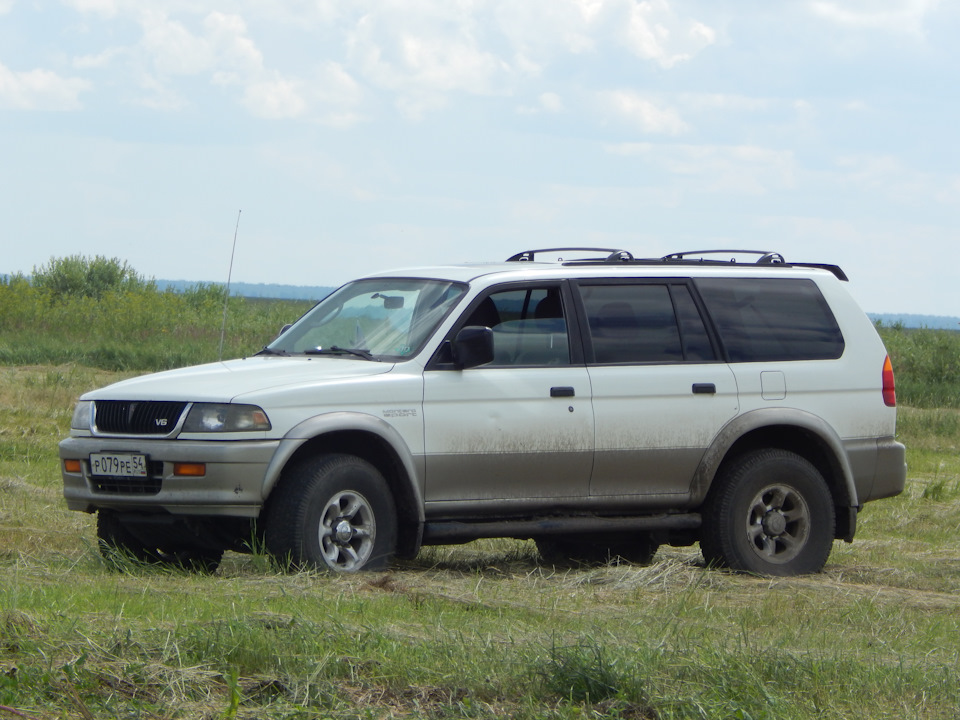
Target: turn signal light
72	466
189	469
889	387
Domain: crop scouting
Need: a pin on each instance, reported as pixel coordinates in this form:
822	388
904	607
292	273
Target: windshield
377	318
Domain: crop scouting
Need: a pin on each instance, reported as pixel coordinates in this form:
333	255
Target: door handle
704	389
562	392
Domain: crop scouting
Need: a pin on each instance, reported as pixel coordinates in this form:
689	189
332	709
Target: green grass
135	330
926	364
482	630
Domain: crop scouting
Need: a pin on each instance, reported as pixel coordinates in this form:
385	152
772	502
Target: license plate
118	465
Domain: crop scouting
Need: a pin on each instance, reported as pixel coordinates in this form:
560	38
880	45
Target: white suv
600	406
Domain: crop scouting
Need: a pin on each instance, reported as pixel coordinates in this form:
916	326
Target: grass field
477	631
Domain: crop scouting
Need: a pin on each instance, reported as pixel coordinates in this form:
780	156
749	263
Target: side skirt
459	531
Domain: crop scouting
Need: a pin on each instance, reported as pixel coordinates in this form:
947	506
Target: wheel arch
797	431
367	437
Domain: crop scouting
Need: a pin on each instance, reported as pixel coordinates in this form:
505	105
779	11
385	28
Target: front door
519	428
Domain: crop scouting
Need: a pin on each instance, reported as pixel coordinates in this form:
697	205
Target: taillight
889	387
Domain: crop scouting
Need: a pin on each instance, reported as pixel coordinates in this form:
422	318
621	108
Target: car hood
225	381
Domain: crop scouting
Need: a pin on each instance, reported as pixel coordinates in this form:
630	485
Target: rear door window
644	323
771	319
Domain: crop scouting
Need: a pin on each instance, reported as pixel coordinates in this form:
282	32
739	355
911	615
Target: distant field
151	329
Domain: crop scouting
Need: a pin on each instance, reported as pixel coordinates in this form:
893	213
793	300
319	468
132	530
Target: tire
119	546
591	549
769	513
333	512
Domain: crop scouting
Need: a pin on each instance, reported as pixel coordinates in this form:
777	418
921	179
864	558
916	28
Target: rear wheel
769	513
334	512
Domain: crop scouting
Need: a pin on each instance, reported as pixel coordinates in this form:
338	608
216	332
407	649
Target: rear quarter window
771	319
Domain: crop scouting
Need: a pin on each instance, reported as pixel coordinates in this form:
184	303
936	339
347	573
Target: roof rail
766	257
688	257
612	254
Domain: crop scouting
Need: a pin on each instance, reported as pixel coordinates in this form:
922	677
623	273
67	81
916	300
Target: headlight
81	415
225	417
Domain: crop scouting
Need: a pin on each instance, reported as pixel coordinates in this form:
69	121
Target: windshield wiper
270	351
337	350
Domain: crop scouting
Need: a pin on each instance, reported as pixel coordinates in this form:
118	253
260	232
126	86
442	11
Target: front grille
117	485
131	417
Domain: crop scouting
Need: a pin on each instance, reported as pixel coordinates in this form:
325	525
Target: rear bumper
891	471
232	484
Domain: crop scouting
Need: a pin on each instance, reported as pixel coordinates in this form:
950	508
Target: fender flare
763	418
318	425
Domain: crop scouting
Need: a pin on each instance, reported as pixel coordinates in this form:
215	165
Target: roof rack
766	257
613	255
687	257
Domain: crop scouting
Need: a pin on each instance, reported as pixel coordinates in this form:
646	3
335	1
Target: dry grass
481	630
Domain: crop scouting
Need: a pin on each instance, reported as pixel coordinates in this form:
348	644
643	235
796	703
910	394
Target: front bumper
232	484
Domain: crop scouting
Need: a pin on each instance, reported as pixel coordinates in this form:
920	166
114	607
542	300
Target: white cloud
893	183
544	28
729	102
548	102
653	31
173	49
426	50
551	102
105	8
227	34
421	54
741	169
5	6
275	98
642	112
40	90
159	95
219	47
897	16
333	87
100	60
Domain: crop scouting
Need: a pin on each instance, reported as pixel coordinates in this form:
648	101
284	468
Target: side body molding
319	425
786	420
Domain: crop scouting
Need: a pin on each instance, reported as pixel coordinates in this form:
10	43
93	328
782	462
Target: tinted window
631	323
769	319
696	342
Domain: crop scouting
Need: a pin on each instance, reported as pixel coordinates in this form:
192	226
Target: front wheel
335	513
770	513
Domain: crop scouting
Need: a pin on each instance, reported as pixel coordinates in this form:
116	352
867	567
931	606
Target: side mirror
284	329
473	346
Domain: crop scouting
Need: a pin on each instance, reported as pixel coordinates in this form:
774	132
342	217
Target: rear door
660	395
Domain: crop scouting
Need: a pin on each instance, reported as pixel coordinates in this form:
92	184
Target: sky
335	139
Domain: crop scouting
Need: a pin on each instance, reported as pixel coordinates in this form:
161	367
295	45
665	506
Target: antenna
226	297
